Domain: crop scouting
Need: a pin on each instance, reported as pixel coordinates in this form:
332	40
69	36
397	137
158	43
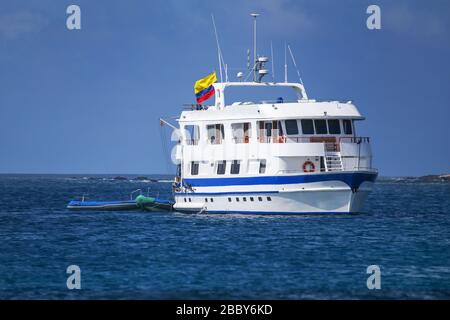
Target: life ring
311	165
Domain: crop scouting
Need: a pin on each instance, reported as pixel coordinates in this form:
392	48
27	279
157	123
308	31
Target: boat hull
319	197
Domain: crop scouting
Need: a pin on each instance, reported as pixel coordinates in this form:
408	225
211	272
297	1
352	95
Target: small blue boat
102	205
139	203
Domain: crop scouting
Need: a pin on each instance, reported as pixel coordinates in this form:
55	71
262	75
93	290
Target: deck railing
354	140
288	139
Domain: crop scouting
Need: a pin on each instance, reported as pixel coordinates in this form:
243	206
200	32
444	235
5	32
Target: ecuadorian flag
203	88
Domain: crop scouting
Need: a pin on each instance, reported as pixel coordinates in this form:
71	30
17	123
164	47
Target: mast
285	64
254	15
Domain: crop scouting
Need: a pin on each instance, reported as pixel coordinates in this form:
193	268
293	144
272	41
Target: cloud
14	25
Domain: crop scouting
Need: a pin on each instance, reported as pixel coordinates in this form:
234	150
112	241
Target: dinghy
154	204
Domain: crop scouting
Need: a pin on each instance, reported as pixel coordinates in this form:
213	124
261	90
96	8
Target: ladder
333	160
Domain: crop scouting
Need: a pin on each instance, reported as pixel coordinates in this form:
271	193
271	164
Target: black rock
435	178
141	178
120	178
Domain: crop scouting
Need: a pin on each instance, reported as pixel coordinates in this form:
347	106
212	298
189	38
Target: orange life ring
311	165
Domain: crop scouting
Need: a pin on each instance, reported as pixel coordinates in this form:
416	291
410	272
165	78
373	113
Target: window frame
262	164
339	126
245	138
312	123
193	165
344	127
235	163
326	127
219	163
296	127
218	128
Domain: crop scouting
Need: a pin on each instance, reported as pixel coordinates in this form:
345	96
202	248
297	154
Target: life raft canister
309	166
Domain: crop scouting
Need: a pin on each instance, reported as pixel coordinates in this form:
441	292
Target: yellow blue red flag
204	88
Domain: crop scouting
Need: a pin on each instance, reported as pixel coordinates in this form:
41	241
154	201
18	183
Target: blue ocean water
138	255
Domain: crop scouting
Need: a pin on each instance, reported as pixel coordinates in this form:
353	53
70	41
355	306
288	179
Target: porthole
184	199
269	199
212	200
260	198
251	199
244	199
189	199
237	199
229	199
206	199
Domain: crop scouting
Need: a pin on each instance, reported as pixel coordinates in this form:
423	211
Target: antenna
271	57
293	60
226	72
285	64
219	53
254	15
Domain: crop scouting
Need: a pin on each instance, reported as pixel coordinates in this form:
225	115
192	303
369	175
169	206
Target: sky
88	101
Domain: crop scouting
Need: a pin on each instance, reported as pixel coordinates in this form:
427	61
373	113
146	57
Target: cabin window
347	124
259	198
334	126
307	126
241	132
192	133
291	127
216	133
252	199
269	199
262	166
229	199
321	126
235	166
221	167
194	168
269	130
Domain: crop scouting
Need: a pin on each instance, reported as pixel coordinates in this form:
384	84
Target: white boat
272	157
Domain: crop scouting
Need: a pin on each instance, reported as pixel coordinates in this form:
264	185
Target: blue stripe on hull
352	179
268	213
188	194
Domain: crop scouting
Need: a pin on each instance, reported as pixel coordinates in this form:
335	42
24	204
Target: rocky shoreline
435	178
426	178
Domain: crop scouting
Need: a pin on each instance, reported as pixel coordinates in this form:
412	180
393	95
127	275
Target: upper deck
274	110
